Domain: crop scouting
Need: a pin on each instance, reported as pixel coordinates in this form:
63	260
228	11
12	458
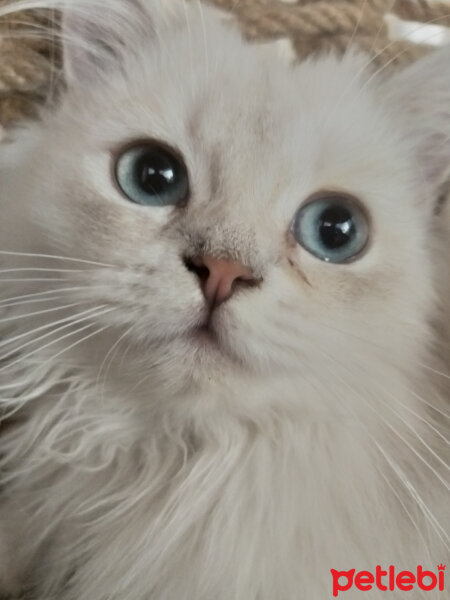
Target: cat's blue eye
332	227
152	175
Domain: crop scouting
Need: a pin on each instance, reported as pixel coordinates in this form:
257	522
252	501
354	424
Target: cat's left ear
97	35
420	95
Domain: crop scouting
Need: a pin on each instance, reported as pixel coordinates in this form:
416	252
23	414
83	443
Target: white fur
142	466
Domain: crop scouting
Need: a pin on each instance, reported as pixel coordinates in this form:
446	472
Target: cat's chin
206	344
204	337
206	340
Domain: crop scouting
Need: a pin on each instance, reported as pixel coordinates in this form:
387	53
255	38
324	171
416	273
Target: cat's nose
219	277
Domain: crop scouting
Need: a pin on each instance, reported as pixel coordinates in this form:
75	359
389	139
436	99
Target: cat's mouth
206	334
209	336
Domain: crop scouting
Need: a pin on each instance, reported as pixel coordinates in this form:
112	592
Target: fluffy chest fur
200	503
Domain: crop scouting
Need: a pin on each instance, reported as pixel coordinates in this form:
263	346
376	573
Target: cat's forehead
208	72
249	92
242	113
317	124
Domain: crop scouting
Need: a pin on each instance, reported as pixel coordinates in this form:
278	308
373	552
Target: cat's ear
98	34
420	95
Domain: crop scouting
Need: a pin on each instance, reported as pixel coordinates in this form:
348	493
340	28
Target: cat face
306	179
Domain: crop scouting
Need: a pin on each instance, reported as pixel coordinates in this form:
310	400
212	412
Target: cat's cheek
296	263
326	289
312	276
125	236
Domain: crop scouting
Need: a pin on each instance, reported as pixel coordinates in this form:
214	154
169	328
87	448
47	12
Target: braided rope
319	19
423	11
323	25
26	66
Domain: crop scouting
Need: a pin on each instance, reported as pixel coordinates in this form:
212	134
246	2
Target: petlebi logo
388	580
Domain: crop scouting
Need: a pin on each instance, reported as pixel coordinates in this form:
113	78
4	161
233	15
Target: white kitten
217	318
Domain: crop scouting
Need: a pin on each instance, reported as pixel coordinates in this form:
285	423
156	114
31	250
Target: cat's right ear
420	97
97	35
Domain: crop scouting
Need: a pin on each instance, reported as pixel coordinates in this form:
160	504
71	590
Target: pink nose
220	277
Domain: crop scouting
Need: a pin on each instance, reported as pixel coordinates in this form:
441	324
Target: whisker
427	423
402	477
110	354
349	88
46	326
26	356
394	58
205	39
417	435
191	51
416	395
68	323
56	257
380	28
36	280
389	426
39	312
437	527
435	371
370	342
124	354
80	341
43	270
33	301
356	28
407	511
52	343
47	292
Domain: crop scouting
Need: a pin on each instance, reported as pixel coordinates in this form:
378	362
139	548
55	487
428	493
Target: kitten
220	369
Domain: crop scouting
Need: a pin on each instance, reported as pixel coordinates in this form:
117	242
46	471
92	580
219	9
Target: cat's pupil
156	171
150	174
331	227
337	227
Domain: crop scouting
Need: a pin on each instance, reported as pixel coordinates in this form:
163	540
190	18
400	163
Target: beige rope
22	69
323	25
423	11
26	64
322	18
312	26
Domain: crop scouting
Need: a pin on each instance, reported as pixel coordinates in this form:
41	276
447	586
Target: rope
325	25
318	19
423	11
27	62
